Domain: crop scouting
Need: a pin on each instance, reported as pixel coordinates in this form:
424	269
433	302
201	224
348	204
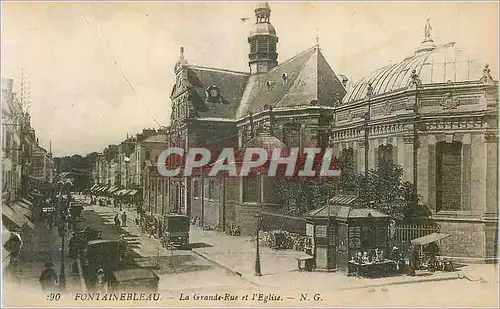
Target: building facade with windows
287	104
434	113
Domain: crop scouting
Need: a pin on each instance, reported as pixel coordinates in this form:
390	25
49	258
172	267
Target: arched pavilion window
448	176
385	155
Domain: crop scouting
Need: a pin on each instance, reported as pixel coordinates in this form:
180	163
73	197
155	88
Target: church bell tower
263	41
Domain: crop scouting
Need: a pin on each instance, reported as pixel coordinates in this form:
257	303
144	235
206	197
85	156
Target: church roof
159	138
231	85
304	79
435	65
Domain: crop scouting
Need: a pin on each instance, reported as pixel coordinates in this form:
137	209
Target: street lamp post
257	250
62	230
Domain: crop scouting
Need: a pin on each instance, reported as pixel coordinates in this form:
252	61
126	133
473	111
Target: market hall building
434	113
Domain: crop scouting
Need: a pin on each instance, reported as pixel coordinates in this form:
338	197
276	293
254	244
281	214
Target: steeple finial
428	30
181	62
317	38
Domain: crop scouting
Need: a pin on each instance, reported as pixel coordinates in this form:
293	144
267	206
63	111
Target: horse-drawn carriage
75	210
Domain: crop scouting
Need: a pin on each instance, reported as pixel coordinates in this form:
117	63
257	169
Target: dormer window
213	94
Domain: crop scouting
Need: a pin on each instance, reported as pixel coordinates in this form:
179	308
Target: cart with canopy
429	252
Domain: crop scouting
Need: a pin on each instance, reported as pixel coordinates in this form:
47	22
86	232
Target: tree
298	195
385	190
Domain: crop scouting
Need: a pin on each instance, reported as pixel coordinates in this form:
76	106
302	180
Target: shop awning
112	189
123	192
5	238
19	208
133	192
18	219
5	235
93	187
427	239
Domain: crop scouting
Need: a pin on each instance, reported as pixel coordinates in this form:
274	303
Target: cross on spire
317	38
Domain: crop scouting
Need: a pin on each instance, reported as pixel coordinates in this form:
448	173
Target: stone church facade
434	113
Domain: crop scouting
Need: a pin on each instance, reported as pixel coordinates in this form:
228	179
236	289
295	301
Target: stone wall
245	218
467	239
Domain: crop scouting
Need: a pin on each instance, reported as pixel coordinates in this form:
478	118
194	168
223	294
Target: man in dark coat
74	251
414	257
48	278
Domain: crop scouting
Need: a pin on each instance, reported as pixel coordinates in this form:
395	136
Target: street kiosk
342	230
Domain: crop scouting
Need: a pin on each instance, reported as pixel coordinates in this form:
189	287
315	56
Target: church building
434	113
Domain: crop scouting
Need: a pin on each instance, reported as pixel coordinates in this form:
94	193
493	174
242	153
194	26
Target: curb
233	271
245	277
83	285
399	283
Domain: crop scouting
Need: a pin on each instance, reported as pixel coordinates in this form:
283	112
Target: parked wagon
76	211
429	252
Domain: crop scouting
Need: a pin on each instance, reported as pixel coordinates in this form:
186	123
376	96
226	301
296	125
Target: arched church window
385	155
448	175
251	188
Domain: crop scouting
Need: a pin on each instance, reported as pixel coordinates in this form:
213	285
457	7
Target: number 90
54	296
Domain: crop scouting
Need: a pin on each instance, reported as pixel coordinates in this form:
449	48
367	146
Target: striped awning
343	199
21	209
94	187
427	239
119	192
18	219
133	192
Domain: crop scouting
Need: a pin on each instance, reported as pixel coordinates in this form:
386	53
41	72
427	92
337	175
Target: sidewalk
237	254
45	246
143	245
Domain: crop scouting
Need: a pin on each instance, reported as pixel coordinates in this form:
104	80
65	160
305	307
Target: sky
99	71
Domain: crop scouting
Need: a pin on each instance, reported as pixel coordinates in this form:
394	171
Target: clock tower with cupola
263	41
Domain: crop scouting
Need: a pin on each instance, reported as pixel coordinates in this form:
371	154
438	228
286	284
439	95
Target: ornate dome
262	29
433	65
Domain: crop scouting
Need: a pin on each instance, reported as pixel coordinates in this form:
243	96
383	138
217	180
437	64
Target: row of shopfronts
130	196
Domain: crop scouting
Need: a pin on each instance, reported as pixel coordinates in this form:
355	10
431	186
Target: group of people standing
123	221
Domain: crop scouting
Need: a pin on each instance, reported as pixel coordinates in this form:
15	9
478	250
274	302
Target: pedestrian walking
413	261
12	271
73	251
48	278
124	219
117	221
122	247
101	281
50	220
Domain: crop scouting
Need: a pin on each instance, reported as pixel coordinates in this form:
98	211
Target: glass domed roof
441	64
